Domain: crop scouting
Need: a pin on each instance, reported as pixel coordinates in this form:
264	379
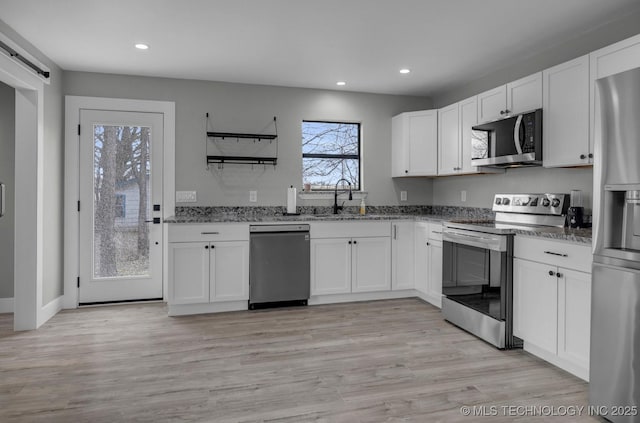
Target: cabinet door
330	266
535	304
492	104
422	129
399	147
449	140
468	119
574	316
421	257
402	244
607	61
525	94
371	264
434	284
188	272
229	271
566	114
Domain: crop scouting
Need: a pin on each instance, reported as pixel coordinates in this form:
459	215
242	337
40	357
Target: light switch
253	196
186	197
403	195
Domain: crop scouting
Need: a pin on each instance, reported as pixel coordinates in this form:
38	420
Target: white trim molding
73	105
6	305
50	309
29	200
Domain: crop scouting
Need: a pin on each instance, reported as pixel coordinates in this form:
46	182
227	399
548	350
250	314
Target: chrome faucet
336	207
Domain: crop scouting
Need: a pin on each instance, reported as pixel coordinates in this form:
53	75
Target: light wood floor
384	361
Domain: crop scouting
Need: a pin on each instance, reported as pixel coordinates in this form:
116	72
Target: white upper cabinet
449	140
524	94
414	144
492	104
566	114
519	96
607	61
468	119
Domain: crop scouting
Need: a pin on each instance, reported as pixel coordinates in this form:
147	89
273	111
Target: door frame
73	105
29	310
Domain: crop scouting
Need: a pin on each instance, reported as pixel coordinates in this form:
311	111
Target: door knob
551	273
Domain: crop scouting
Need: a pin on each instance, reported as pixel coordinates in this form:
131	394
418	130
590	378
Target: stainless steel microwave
511	142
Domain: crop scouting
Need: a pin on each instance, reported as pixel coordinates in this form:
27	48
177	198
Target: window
330	152
121	205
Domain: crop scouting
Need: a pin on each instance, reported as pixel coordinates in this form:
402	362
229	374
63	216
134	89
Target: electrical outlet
403	195
253	196
463	195
186	197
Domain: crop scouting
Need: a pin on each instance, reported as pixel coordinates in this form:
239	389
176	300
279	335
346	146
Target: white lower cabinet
428	261
229	271
204	272
402	255
552	303
345	265
330	266
189	272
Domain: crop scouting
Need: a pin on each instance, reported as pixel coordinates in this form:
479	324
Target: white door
120	195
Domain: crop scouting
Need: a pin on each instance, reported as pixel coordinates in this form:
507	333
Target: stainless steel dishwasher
279	265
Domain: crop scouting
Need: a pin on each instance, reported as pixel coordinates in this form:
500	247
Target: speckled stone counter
185	215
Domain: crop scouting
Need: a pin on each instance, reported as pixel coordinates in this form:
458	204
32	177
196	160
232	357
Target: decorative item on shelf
251	159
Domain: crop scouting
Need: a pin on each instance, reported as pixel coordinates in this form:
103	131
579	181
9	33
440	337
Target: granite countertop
233	218
582	236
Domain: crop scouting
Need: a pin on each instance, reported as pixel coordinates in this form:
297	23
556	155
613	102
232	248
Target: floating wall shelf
221	160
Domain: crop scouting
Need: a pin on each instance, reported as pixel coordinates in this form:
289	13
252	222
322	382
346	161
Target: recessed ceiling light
405	70
142	46
341	83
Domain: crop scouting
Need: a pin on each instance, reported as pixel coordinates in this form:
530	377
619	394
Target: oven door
476	270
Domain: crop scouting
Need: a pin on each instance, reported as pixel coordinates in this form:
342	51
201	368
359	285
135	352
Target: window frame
357	156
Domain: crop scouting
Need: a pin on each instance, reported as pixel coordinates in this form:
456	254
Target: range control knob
546	202
526	201
498	201
534	202
506	201
555	202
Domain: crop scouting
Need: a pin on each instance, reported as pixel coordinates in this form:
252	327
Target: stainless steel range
477	271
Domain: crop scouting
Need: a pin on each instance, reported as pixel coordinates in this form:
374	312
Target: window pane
121	201
330	138
324	173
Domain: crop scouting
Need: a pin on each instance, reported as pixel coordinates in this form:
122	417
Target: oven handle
488	243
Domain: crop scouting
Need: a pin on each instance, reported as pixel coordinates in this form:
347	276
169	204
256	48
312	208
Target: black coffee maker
575	214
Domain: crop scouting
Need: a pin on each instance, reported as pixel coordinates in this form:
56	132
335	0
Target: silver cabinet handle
556	254
436	232
209	233
395	231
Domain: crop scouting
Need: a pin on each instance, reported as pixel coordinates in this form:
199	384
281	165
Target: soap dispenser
363	209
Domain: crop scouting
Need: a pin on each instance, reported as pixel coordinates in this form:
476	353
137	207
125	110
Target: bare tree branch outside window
330	152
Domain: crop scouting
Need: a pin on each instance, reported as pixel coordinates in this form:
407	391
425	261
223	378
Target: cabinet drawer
557	253
435	231
185	232
349	229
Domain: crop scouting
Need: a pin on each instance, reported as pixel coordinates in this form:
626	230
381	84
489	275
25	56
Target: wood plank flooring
380	361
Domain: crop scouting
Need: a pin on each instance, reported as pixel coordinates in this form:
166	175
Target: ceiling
306	43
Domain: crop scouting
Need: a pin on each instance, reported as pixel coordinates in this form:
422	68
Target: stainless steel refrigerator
615	303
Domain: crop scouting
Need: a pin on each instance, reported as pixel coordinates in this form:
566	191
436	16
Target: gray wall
250	108
7	169
480	189
53	173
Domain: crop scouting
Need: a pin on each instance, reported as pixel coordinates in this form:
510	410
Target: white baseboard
223	306
6	305
364	296
49	310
